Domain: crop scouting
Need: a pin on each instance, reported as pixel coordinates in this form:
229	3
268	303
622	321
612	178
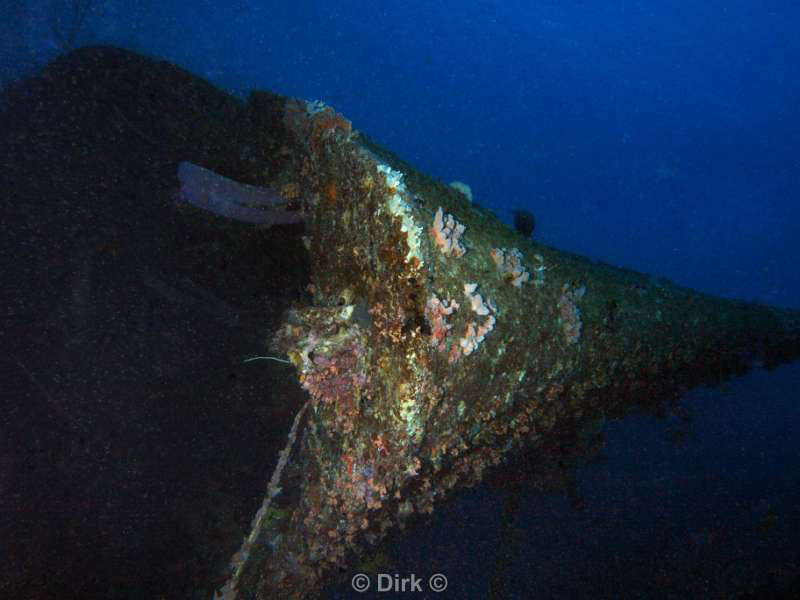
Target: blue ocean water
659	136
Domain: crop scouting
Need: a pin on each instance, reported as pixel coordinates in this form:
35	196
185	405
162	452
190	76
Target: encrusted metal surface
439	341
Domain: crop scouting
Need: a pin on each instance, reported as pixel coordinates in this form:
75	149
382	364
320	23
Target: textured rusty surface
127	319
414	383
435	346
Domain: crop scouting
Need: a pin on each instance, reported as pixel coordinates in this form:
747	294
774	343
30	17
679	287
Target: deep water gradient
658	136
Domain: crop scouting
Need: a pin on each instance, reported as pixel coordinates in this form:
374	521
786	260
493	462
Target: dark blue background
656	135
660	136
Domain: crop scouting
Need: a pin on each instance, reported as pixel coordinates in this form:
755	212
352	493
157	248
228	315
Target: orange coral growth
437	311
326	121
447	232
313	122
509	264
330	191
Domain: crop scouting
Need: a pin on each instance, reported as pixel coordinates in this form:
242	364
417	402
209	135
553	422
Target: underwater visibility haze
456	299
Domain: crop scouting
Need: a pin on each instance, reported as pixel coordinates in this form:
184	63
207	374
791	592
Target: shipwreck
437	342
431	341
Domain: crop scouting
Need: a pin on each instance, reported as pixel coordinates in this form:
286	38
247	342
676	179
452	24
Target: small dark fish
524	222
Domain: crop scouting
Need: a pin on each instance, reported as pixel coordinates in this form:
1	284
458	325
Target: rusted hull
439	342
